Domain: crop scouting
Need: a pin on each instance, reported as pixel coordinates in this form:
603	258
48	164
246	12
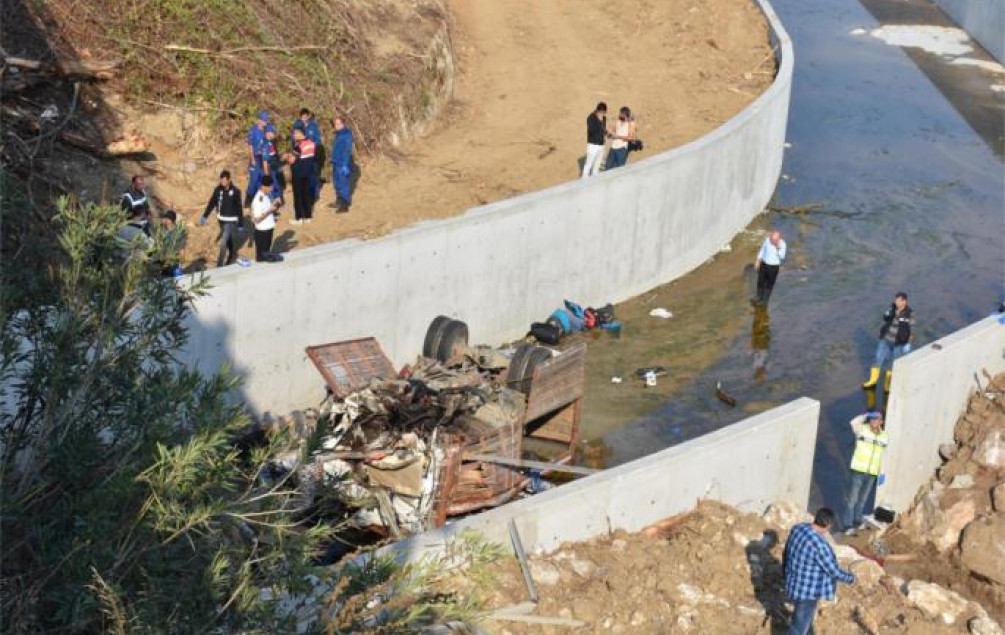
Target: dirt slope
713	571
529	73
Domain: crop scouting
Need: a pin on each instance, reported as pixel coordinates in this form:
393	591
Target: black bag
546	333
636	145
605	314
883	515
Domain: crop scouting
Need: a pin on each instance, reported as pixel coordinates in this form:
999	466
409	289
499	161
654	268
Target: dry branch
68	68
286	50
114	149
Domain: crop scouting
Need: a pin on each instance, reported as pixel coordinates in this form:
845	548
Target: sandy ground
529	74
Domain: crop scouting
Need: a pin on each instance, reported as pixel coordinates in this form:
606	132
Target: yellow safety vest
869	450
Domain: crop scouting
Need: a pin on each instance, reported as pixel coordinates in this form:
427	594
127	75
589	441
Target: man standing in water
895	338
769	261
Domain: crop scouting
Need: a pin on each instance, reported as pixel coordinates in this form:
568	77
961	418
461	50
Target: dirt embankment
714	571
187	77
191	75
529	73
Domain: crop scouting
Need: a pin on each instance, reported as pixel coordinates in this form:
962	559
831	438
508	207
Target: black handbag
635	145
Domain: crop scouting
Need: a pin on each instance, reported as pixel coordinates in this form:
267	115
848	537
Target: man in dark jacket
895	339
309	126
596	137
305	175
226	200
135	201
342	165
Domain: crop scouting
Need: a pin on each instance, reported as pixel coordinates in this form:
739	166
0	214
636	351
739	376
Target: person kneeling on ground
263	215
811	569
870	444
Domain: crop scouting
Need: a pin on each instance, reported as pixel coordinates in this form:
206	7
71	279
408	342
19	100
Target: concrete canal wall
501	266
984	20
750	464
929	392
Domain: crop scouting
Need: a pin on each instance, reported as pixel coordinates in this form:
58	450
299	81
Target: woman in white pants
596	136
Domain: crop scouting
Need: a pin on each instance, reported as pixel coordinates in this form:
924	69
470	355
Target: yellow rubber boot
873	378
886	383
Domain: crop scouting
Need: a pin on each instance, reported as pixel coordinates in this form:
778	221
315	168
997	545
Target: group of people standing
267	181
621	136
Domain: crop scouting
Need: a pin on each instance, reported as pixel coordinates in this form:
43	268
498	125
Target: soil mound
715	571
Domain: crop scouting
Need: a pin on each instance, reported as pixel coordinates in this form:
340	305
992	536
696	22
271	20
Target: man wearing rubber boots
895	339
871	442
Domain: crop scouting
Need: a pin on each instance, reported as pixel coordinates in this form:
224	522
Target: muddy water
898	154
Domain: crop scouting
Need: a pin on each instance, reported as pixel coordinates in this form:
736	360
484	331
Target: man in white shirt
769	261
263	215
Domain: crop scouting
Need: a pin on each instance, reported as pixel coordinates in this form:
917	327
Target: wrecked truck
403	451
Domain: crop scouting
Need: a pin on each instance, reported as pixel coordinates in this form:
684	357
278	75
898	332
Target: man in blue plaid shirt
811	569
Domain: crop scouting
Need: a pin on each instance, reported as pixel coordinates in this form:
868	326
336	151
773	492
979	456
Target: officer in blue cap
257	148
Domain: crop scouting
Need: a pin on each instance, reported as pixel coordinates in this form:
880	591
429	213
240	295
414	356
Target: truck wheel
514	375
433	335
535	358
453	340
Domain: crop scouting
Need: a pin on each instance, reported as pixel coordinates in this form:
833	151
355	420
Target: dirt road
529	73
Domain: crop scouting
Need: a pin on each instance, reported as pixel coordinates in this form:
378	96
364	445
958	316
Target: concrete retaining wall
984	20
501	266
929	392
749	464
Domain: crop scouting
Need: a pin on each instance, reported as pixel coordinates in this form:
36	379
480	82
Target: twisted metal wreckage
403	451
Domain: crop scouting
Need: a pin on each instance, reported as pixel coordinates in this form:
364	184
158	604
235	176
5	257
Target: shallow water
898	152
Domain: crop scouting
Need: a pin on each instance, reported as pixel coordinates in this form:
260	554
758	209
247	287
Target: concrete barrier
500	266
749	464
984	20
929	392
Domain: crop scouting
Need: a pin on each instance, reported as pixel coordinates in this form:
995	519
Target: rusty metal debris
402	451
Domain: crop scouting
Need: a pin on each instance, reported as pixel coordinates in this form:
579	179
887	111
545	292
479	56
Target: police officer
226	200
256	154
895	339
136	203
273	166
304	171
871	441
342	165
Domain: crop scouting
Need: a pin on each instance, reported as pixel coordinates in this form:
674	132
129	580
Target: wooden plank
534	465
558	382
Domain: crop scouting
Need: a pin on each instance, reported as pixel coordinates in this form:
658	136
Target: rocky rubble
715	571
959	517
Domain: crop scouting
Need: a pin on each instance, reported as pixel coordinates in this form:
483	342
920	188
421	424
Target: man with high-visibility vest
871	441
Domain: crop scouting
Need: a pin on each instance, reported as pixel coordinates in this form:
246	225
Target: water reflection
760	341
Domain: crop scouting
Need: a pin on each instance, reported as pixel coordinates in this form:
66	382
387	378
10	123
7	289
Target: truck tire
514	375
537	356
433	335
453	340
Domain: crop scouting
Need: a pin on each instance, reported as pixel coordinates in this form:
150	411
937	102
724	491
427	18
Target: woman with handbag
623	135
